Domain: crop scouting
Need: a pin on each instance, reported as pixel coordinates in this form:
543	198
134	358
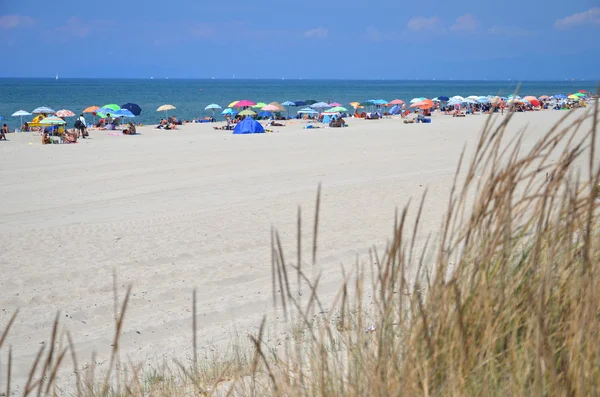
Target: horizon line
572	80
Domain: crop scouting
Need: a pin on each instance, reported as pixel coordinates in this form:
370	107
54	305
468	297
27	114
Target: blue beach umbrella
123	113
443	98
265	114
133	108
43	109
213	107
560	96
299	103
229	111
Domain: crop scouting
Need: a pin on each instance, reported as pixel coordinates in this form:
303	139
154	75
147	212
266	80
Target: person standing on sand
82	128
3	132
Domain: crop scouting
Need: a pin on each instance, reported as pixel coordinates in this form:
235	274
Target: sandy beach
170	211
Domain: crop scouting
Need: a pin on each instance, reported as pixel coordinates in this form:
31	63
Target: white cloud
14	21
319	33
423	23
465	23
589	17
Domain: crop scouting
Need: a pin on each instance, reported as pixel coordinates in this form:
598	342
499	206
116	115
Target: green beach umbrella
112	106
247	112
310	101
259	105
338	109
53	121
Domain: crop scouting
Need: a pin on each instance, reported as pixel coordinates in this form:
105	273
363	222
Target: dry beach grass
503	302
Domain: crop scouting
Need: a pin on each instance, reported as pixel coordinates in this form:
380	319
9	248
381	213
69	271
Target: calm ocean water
190	97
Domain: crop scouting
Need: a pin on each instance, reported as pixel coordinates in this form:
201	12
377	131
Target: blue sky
353	39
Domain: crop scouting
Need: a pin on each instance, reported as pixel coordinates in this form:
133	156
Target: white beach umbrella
457	98
21	113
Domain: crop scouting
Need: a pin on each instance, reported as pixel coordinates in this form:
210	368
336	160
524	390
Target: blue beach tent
248	126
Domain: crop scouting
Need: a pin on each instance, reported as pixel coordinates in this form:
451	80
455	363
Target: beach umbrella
103	112
397	102
133	108
113	106
580	94
265	113
310	102
334	104
289	103
91	109
165	108
320	105
415	100
560	96
229	111
572	96
213	107
483	99
473	97
337	109
279	106
582	91
123	113
270	108
21	113
457	98
307	111
43	109
247	112
544	97
53	121
530	98
425	104
232	104
355	104
380	102
244	103
443	98
65	113
300	103
259	105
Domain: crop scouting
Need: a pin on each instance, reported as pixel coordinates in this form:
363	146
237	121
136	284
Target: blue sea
190	97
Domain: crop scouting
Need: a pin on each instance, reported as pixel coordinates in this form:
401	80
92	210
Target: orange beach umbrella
91	109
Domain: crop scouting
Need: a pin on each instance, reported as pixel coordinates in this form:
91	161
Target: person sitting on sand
25	127
45	138
71	136
3	132
130	130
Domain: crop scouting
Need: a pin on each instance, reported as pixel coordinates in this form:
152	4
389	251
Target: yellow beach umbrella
232	104
165	108
355	104
573	96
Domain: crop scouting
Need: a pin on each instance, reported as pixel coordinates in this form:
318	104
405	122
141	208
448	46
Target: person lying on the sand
273	123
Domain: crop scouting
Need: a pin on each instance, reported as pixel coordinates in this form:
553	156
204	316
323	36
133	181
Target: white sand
174	210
